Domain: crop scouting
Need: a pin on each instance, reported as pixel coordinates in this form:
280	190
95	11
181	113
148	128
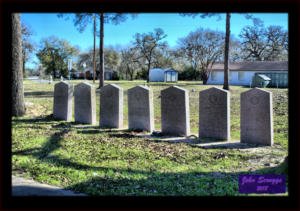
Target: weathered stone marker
62	105
111	106
257	117
214	114
85	103
140	108
175	111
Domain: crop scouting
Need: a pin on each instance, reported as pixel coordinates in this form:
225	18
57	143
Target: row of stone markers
214	110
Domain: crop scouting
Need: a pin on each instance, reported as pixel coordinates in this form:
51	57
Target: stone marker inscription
257	117
175	116
62	105
140	108
214	114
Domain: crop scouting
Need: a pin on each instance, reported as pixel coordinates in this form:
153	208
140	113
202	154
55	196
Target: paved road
37	79
25	187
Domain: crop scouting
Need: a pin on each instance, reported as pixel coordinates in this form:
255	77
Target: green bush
189	74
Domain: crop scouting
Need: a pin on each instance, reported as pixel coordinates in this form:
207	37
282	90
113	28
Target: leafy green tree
81	20
112	58
146	44
130	62
17	92
54	54
256	21
27	45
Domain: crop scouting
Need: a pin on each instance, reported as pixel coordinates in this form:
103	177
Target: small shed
157	75
163	75
171	75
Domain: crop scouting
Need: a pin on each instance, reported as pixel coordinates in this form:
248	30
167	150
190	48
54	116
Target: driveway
27	187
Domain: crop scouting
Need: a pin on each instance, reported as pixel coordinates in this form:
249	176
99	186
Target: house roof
253	66
163	70
170	70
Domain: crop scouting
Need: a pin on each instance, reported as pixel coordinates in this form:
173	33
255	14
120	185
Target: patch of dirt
264	160
122	135
35	110
264	156
259	156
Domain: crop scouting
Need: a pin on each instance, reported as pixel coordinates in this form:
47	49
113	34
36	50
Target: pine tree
18	106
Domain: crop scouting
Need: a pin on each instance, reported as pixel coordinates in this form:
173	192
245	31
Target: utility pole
94	58
226	56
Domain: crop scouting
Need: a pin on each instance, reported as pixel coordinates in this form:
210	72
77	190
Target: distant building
241	73
163	75
77	74
108	74
74	73
87	73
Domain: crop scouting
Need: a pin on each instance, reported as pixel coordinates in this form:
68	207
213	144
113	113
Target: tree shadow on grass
39	94
27	151
40	120
118	133
133	182
155	183
204	143
142	182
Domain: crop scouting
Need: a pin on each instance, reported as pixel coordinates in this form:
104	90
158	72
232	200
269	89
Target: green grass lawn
100	161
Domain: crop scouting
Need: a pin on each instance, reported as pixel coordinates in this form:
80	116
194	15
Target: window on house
213	76
230	76
241	76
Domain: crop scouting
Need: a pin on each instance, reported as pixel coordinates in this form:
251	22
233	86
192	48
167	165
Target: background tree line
193	56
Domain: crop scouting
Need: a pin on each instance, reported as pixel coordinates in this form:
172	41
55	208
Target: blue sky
175	26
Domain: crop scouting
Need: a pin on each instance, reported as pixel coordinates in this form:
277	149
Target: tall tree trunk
148	70
17	92
94	57
24	59
204	78
226	70
53	65
101	50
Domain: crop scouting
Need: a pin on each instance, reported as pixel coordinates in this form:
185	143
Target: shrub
189	74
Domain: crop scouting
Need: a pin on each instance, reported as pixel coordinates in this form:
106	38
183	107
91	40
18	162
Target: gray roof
170	69
253	66
163	70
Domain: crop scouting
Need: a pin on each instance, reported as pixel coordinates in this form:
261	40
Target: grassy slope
98	161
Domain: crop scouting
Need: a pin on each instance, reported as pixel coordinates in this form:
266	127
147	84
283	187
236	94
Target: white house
241	73
163	75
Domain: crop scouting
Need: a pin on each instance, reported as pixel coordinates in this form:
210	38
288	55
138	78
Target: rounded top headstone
175	88
63	83
111	86
256	90
139	87
84	84
215	89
